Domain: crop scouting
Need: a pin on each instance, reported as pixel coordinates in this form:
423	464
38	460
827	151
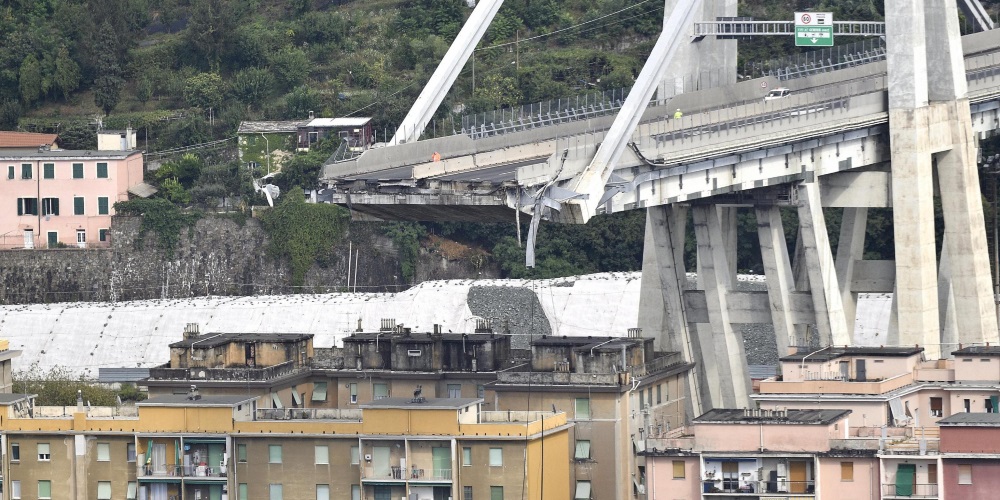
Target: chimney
193	394
312	115
79	400
190	331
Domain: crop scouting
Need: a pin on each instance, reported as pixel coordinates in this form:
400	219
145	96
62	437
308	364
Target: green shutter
44	489
78	170
20	206
55	206
53	239
10	172
102	205
994	402
102	234
905	474
78	206
102	170
25	170
50	171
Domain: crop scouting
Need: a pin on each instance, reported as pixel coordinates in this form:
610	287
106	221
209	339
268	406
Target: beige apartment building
616	391
195	447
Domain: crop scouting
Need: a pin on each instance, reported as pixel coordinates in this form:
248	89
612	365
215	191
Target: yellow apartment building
221	447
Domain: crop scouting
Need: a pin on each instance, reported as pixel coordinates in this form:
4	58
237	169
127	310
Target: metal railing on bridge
822	60
545	113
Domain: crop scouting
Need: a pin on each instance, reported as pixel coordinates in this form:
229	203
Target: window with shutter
78	205
102	170
679	470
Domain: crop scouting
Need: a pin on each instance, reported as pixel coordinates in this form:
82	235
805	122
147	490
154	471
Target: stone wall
217	256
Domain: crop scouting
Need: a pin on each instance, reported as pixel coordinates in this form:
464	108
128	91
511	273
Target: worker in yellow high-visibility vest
678	114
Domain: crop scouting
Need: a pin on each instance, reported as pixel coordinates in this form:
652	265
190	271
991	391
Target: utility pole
517	50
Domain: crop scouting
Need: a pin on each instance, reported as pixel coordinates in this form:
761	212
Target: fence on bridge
823	60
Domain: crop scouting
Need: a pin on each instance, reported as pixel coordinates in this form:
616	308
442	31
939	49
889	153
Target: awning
276	400
896	407
296	397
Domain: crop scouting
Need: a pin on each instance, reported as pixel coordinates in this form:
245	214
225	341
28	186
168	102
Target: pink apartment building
48	198
730	454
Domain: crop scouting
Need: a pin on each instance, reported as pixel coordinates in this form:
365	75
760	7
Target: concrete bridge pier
931	132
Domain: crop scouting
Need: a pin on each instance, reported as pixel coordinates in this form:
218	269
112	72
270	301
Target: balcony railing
350	414
502	417
911	491
419	474
178	471
410	474
755	488
240	374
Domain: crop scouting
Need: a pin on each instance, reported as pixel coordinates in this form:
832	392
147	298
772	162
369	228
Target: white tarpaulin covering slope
85	336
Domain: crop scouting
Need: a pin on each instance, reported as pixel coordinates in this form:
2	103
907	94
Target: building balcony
383	474
429	475
736	488
909	491
168	472
240	374
834	386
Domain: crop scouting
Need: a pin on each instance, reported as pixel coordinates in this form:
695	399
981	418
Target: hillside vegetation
184	72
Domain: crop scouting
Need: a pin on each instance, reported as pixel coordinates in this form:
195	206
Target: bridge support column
778	274
965	235
850	249
927	91
706	63
831	323
661	299
715	279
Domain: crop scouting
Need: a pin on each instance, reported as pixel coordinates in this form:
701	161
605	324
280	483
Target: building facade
193	447
59	198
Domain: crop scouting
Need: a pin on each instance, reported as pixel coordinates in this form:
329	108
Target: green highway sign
814	36
814	29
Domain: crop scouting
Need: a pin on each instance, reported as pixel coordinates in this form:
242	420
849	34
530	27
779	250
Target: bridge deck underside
435	213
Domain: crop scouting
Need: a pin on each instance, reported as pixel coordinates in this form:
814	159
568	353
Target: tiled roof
25	139
287	126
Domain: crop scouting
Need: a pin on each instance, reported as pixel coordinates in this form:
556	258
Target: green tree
30	80
10	112
290	67
109	81
299	102
185	170
252	86
144	88
203	90
211	29
78	135
67	77
496	91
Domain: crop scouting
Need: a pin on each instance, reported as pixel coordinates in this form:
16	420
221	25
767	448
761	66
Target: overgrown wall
217	256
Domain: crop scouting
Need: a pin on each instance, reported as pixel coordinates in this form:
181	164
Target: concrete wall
985	480
865	483
216	257
977	368
778	437
660	481
970	439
